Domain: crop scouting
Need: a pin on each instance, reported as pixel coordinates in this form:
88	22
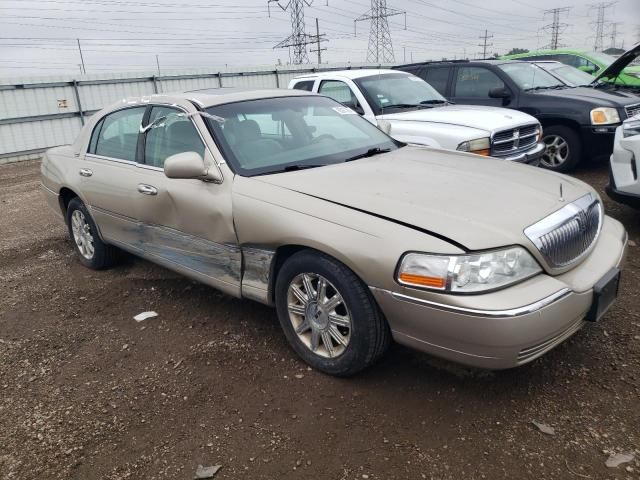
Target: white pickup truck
410	110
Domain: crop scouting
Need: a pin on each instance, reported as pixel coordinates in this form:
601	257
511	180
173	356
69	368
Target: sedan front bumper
504	335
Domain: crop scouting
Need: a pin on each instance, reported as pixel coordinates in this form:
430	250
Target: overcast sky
38	36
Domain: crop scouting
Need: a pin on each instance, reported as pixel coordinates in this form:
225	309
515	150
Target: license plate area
605	291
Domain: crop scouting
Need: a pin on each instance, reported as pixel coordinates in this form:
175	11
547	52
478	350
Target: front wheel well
552	122
281	255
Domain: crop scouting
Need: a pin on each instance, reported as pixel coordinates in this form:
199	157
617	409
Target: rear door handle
85	172
147	189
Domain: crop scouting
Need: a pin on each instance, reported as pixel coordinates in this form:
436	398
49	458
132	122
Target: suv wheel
328	315
92	251
563	149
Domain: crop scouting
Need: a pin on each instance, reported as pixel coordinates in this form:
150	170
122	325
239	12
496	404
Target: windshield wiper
402	105
433	102
369	153
551	87
300	166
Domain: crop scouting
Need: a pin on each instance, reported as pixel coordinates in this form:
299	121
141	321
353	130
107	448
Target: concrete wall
37	113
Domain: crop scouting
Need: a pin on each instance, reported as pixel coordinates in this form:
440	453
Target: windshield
529	76
603	58
289	133
395	91
568	74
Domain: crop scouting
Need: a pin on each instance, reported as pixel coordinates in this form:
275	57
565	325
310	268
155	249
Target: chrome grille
514	140
632	110
569	233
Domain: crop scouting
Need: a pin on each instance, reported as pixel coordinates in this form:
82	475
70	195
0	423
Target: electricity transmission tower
555	27
613	33
484	43
298	40
380	47
599	23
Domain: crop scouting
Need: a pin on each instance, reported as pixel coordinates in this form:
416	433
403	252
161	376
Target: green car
594	63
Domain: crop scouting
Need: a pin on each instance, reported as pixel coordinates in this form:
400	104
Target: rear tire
92	251
563	148
328	315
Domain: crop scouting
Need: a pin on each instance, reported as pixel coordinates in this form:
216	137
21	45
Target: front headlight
479	146
631	128
604	116
468	273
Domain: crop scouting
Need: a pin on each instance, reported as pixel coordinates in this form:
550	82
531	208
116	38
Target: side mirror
185	165
385	126
499	92
586	68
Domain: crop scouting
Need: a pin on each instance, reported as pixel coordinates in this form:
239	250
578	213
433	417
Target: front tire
328	315
563	149
92	252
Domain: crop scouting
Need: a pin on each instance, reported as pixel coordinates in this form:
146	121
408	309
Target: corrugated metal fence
37	113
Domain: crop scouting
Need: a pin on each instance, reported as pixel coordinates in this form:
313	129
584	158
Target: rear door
109	175
471	86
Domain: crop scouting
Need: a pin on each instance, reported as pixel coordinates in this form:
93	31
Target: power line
555	28
380	46
599	23
484	43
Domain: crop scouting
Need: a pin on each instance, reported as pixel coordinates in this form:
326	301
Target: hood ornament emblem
561	193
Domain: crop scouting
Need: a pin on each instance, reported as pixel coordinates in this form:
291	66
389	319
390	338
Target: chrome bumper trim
528	156
44	187
511	312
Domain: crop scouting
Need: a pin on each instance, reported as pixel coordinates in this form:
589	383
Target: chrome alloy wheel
319	315
556	152
82	234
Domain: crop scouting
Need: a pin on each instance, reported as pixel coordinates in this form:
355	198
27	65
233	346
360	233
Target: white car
412	111
624	186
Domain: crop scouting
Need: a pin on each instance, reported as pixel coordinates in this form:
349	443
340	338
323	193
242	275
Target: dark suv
576	121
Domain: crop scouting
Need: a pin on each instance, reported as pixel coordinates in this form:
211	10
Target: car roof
459	62
216	96
350	74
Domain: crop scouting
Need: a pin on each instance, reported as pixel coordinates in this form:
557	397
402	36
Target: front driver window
476	82
118	137
176	134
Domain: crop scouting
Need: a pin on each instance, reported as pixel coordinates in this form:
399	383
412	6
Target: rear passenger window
306	85
118	137
437	78
476	82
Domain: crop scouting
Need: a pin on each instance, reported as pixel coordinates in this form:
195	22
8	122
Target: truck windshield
529	76
272	135
390	92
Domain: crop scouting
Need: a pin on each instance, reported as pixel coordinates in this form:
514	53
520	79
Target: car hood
613	70
473	116
473	201
595	96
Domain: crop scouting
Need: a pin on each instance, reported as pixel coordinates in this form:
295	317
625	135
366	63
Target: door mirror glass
185	165
587	68
355	107
500	92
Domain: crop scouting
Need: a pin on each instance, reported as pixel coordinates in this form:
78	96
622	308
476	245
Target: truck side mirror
499	92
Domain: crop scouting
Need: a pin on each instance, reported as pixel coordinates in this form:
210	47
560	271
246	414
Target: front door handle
147	189
85	172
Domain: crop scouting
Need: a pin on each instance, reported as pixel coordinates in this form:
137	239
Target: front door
188	222
471	86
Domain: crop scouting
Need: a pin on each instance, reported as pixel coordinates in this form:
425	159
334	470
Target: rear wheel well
66	195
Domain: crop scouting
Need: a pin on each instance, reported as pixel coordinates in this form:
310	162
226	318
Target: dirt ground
88	393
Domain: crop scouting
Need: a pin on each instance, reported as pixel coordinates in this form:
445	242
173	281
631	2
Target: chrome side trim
511	312
43	186
256	274
109	159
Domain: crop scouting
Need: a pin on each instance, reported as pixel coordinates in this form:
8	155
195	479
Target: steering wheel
324	136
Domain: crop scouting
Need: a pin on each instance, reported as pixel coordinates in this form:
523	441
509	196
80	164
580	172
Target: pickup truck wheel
92	251
328	315
563	149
